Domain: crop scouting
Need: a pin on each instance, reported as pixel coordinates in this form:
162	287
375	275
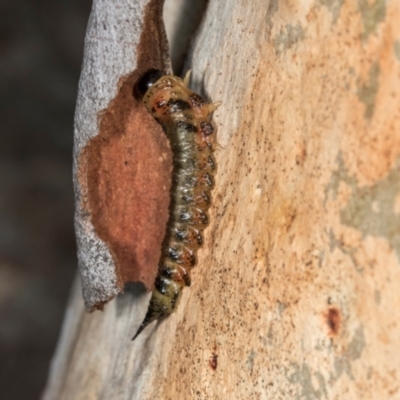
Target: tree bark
295	287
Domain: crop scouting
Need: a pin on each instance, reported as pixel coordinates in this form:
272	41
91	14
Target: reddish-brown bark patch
333	318
129	179
213	361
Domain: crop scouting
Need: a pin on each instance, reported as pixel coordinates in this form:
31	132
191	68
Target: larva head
158	94
148	80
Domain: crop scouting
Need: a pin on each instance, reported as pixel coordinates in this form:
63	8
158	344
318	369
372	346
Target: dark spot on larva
211	163
185	217
147	80
187	199
333	319
126	162
203	217
190	163
193	236
199	239
161	284
180	235
196	100
161	104
166	271
189	128
173	254
191	180
208	180
213	361
206	128
177	105
206	197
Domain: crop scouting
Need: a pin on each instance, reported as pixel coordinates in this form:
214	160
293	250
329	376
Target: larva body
185	119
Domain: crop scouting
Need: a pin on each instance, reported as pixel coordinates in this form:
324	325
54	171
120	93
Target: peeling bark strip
122	161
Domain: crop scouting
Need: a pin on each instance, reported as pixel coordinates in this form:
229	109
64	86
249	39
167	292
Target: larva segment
186	121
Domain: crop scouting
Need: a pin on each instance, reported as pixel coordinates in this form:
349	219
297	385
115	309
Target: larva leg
218	146
213	106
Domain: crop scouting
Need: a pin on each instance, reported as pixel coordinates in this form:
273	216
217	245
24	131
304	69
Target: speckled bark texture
296	293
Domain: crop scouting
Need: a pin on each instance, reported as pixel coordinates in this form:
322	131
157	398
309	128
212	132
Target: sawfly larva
186	120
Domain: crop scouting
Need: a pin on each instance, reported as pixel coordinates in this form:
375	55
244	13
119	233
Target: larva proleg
186	120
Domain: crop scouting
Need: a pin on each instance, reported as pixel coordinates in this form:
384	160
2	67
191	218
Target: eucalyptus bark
296	289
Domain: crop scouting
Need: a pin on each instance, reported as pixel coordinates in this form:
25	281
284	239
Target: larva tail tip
139	330
148	319
151	316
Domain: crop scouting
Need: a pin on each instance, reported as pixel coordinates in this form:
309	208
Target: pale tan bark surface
296	292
